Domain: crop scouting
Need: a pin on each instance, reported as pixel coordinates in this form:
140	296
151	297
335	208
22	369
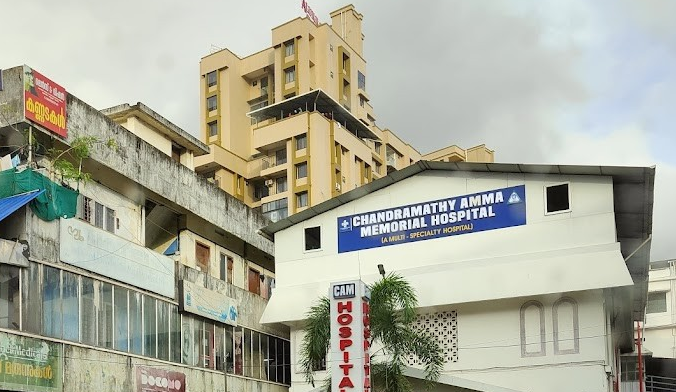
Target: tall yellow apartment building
292	125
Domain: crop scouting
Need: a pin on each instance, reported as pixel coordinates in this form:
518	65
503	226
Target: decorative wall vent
444	327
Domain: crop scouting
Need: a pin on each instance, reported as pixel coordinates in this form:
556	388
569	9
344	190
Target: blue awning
12	203
173	247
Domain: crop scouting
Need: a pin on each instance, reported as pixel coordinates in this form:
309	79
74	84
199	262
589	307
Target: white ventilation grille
444	327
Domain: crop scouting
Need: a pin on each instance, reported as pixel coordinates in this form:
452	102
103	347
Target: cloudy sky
569	81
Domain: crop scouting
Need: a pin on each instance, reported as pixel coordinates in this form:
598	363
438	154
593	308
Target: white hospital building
530	276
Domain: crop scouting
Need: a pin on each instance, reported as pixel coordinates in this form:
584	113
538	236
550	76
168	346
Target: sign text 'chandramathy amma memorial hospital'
494	209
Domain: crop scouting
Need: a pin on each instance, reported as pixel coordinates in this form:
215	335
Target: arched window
566	326
532	315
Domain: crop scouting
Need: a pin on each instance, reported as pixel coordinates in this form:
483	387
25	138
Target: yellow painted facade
292	125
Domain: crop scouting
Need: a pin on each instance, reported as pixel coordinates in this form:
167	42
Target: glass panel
246	349
105	336
51	302
121	319
163	330
198	342
175	335
88	317
208	346
266	357
9	296
238	350
256	357
149	327
32	299
220	348
274	360
98	215
135	323
287	362
71	306
229	352
188	341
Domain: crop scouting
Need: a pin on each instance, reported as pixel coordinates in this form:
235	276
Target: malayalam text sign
44	102
489	210
29	364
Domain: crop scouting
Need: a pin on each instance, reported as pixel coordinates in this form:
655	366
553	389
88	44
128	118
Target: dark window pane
121	319
175	334
135	323
229	351
32	299
51	301
9	296
313	238
557	198
219	345
88	317
149	327
163	330
105	315
71	307
239	335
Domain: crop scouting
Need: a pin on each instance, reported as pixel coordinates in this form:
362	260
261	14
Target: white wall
586	228
660	328
126	211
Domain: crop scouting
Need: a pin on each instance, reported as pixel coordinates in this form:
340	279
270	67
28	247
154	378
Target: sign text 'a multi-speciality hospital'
494	209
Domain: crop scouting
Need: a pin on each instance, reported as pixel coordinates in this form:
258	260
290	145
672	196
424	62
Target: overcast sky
569	82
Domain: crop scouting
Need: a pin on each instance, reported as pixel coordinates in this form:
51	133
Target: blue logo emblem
345	225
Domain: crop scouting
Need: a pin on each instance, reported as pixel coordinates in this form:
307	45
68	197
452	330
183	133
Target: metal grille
444	327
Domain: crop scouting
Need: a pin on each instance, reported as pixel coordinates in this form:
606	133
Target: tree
392	313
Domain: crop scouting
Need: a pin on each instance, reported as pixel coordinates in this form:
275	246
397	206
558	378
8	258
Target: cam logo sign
490	210
44	102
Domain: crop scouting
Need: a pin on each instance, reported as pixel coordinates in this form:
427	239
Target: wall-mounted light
381	269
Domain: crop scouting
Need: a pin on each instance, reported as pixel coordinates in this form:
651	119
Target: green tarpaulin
57	201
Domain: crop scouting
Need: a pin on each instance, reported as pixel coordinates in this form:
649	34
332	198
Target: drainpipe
641	386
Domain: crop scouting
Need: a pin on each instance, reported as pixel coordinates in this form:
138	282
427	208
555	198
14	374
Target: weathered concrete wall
86	370
241	384
144	164
251	306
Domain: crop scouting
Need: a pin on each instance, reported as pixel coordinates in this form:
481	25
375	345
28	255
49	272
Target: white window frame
544	198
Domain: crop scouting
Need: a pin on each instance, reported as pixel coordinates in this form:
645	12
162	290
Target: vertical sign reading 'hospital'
44	102
350	337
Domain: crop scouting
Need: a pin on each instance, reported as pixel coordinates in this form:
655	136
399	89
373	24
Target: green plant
392	314
64	161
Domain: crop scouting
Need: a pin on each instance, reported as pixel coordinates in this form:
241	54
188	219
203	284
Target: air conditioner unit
269	182
337	186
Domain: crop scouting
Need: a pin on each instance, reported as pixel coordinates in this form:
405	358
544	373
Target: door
254	281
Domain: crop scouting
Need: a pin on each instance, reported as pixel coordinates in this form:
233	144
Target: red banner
157	380
44	102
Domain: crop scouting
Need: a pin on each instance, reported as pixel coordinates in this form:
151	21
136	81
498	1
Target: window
281	184
211	79
136	323
254	281
175	335
289	49
51	302
162	329
105	315
532	317
231	266
121	319
213	128
362	101
361	81
212	103
98	214
657	302
558	198
301	170
290	75
202	257
276	209
9	297
223	269
566	326
313	238
149	327
301	199
88	316
280	156
301	141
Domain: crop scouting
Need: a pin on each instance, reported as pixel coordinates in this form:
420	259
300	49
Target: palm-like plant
392	313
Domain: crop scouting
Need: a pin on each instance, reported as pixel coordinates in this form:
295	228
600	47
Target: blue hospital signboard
490	210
